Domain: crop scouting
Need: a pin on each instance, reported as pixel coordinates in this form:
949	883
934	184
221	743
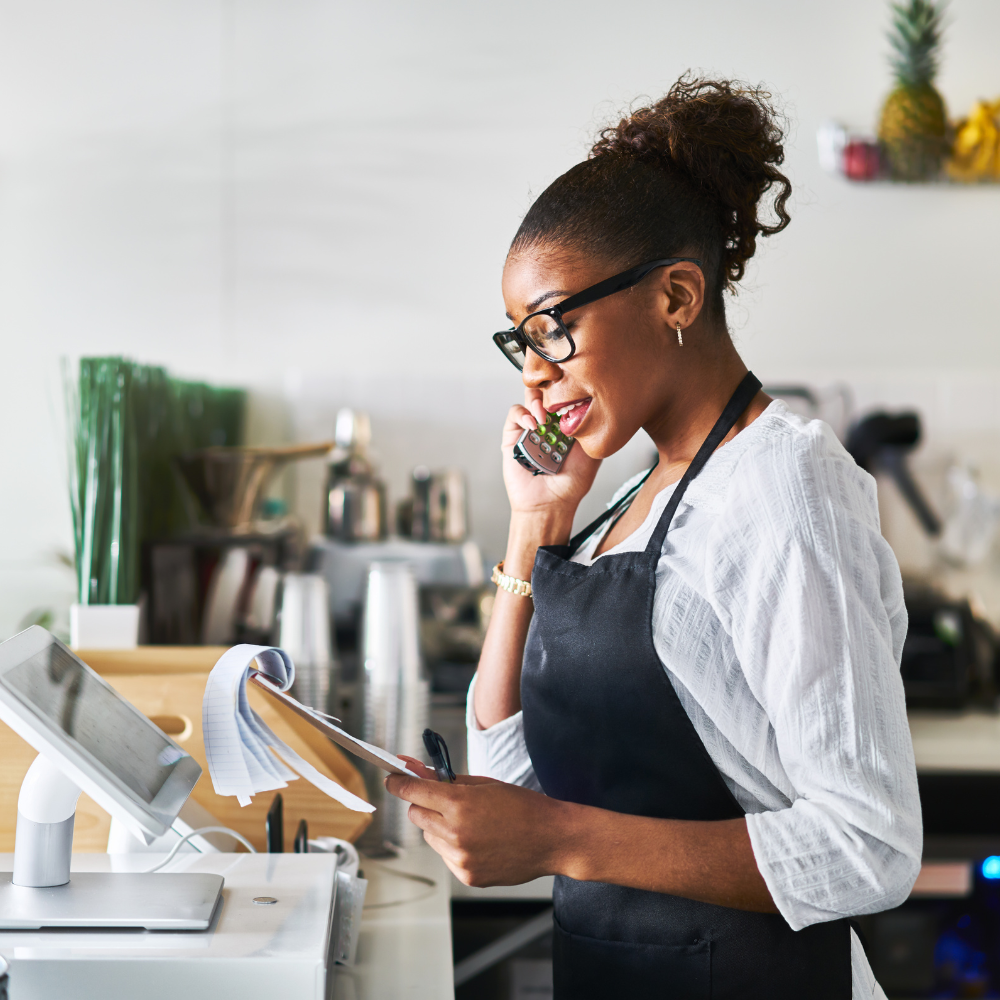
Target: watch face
544	449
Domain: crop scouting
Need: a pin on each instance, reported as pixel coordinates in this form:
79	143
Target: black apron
604	727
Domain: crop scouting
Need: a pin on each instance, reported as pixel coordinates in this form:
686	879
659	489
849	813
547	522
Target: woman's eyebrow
534	304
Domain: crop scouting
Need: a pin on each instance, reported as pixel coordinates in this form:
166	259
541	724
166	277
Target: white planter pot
104	626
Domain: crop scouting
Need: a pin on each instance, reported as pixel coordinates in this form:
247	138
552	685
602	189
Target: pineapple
913	130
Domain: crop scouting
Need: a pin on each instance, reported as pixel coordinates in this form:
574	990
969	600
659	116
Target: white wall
314	199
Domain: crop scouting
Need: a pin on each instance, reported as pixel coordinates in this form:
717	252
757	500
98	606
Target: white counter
405	944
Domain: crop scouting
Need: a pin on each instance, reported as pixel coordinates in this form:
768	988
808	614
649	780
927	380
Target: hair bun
726	138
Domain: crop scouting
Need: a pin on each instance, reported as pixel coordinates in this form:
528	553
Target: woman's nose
539	372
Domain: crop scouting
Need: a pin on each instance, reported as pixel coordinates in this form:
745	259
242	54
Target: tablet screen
57	686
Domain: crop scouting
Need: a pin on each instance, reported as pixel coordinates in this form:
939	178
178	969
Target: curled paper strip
238	742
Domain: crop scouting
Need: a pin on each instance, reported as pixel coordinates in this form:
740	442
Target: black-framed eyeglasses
545	332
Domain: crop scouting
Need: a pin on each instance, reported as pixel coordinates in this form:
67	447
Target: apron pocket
586	968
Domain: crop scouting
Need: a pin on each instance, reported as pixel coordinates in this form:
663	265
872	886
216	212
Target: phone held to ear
543	450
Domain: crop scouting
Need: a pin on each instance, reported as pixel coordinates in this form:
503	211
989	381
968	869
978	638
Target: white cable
409	876
194	833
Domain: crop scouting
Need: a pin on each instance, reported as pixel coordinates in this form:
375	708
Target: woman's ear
681	294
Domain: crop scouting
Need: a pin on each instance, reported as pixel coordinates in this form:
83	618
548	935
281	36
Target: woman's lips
571	419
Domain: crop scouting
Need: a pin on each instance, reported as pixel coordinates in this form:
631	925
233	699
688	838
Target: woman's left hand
488	832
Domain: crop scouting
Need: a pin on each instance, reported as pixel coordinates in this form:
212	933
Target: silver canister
356	505
304	633
356	508
439	510
395	695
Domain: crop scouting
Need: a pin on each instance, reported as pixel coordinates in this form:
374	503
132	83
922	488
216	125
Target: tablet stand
40	893
46	810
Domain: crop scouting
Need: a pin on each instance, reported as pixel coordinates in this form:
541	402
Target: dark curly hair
683	177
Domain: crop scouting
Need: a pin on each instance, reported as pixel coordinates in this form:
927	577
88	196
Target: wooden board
152	659
175	700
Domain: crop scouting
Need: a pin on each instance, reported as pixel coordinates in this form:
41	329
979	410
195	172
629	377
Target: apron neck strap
739	401
578	539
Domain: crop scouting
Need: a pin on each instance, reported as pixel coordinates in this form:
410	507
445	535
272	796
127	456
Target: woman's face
626	359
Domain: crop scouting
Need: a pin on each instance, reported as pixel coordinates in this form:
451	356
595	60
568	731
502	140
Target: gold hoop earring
680	339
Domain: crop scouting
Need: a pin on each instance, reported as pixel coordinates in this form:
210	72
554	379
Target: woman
695	721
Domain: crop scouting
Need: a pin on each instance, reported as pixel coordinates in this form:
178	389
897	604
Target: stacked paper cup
396	693
304	634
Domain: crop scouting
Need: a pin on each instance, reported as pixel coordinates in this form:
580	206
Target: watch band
510	583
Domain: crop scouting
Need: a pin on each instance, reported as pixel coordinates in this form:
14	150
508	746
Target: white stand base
160	901
40	894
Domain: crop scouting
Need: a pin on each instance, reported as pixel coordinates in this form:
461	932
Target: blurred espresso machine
431	527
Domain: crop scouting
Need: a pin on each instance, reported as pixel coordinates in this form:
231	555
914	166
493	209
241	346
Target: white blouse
779	620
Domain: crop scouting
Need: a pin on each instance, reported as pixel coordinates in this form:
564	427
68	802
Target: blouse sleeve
499	751
818	627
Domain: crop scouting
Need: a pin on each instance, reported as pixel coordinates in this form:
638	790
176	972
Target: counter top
540	888
966	740
404	949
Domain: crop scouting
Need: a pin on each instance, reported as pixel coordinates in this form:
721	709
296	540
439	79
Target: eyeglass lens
547	335
543	332
509	345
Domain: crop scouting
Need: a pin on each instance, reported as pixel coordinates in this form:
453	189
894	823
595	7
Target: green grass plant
127	422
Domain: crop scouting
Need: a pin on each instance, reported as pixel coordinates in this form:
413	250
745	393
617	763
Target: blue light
991	867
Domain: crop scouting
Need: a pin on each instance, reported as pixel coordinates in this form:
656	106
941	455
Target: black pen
437	749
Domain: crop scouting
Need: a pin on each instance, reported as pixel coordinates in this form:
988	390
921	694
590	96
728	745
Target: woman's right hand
541	513
528	494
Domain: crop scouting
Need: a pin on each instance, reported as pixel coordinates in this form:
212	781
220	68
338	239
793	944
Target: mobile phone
543	450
